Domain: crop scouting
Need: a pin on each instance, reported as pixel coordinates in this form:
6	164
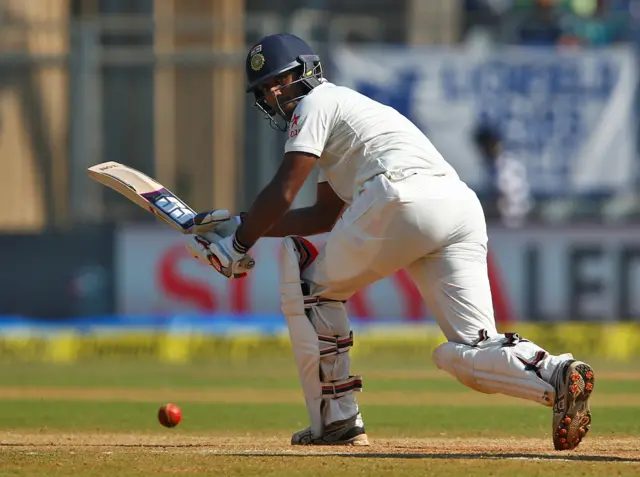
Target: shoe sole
576	420
359	440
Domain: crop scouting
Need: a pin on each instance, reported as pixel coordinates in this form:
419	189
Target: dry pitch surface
127	454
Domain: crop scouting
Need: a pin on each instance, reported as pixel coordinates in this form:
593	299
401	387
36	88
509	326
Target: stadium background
87	277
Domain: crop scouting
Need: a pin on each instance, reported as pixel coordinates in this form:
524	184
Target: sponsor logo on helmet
257	62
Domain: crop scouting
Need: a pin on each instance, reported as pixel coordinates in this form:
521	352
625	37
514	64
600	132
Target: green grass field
99	418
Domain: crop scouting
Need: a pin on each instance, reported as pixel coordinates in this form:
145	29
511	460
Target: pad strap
335	344
339	388
310	301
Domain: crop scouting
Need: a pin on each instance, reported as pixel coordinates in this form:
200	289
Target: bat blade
146	193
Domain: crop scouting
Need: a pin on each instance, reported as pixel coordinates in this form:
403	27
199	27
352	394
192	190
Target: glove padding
219	221
218	252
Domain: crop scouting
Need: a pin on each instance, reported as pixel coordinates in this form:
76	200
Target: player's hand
219	221
220	254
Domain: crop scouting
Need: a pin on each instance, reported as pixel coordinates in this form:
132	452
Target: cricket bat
157	199
146	192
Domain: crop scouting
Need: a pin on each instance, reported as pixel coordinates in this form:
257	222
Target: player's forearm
268	208
305	221
274	200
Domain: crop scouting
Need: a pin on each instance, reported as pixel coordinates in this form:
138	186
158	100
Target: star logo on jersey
293	128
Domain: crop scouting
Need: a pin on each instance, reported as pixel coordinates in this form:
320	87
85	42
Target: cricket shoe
349	432
573	382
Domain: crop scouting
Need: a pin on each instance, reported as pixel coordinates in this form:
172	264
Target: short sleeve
310	126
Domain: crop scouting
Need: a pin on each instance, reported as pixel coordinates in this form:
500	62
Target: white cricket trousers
433	226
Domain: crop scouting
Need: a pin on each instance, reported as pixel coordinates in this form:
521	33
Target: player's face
278	93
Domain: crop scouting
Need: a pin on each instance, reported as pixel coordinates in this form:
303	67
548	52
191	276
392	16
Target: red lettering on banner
198	294
239	296
180	287
501	307
357	307
415	308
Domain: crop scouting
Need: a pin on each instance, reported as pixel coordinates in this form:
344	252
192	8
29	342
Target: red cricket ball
169	415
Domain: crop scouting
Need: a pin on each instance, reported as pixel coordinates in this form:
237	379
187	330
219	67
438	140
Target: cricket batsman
389	200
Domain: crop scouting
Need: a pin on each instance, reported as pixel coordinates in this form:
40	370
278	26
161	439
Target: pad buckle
340	388
310	301
335	344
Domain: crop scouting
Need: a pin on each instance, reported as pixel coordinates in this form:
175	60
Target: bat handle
247	262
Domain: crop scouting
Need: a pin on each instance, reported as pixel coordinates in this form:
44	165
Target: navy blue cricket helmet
273	56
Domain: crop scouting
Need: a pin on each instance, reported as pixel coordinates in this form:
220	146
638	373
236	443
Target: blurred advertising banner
155	274
57	275
567	115
578	273
537	274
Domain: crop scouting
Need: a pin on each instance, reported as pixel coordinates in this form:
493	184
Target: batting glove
221	253
219	221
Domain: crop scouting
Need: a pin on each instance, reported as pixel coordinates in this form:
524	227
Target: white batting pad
330	319
321	338
505	364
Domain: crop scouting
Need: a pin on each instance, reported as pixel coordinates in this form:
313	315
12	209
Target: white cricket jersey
357	138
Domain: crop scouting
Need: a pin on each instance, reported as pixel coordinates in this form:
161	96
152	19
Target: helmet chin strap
283	125
310	81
